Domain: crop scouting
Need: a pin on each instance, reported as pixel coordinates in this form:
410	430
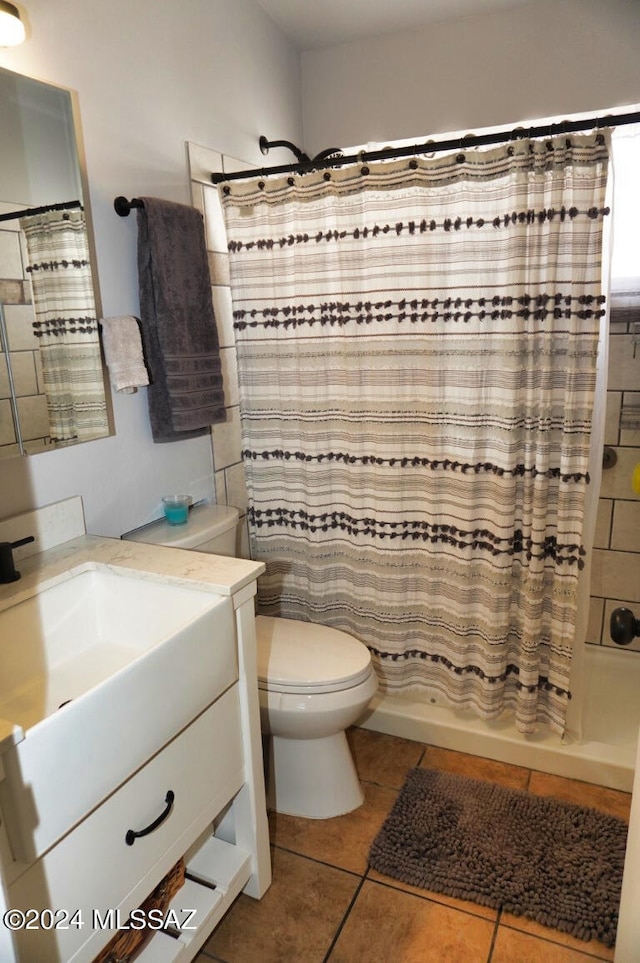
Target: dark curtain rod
27	211
322	161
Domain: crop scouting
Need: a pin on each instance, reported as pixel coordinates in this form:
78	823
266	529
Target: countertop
211	573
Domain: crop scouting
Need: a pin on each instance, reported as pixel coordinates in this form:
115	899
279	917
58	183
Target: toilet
313	683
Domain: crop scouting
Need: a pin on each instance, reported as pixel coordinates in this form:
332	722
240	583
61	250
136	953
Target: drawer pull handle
132	835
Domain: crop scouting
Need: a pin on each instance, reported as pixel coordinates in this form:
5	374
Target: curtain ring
361	158
517	134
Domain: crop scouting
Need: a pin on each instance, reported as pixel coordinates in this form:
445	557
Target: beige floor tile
460	904
382	758
597	949
343	841
610	801
388	925
464	764
295	921
513	946
389	922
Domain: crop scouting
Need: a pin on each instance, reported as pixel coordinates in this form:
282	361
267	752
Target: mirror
52	387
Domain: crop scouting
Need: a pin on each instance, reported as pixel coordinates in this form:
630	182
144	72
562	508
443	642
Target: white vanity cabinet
199	796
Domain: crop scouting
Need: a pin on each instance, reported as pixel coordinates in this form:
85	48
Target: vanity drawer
94	869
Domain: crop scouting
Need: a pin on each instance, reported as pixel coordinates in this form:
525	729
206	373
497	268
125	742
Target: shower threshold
605	755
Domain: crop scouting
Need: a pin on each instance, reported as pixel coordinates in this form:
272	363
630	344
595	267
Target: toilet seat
302	657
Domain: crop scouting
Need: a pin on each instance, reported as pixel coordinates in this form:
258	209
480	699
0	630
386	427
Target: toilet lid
296	656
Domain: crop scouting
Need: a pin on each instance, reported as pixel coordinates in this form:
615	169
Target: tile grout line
430	896
203	956
346	916
494	936
314	859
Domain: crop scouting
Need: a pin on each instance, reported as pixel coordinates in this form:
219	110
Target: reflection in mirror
51	375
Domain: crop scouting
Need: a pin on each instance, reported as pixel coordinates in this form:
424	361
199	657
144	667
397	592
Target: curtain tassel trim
543	683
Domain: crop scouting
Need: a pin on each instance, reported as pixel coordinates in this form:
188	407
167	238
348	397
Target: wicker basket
124	946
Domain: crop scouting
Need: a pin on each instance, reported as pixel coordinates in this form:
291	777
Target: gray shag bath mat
534	856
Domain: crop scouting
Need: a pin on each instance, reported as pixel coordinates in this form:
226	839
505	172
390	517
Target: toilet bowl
313	683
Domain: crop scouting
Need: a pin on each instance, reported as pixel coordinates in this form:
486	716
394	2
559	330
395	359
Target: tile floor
325	904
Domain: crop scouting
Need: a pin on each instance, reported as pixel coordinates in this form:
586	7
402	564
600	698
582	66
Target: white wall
546	58
150	76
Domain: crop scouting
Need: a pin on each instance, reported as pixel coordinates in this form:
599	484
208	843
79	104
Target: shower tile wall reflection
615	576
15	297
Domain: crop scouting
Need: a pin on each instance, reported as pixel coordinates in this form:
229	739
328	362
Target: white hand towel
123	353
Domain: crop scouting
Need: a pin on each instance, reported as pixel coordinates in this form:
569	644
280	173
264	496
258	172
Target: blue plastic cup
176	508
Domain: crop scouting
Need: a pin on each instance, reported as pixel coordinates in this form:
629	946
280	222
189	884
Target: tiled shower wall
226	440
615	576
15	297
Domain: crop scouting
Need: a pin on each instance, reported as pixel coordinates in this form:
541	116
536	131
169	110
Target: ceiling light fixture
12	30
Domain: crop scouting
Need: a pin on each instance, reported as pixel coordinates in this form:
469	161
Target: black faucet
8	571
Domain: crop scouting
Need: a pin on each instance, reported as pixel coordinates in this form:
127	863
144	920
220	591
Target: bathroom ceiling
320	23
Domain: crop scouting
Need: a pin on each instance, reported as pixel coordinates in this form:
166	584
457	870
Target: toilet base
313	778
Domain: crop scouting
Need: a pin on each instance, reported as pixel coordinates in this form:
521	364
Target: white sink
99	671
69	638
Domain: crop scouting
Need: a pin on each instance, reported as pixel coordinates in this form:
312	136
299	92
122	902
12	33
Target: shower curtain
417	346
66	324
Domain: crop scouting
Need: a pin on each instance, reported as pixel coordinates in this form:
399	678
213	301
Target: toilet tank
209	528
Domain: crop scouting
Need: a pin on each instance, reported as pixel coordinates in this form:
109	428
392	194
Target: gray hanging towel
178	324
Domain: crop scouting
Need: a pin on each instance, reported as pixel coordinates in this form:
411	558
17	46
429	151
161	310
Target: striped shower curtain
417	347
66	325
